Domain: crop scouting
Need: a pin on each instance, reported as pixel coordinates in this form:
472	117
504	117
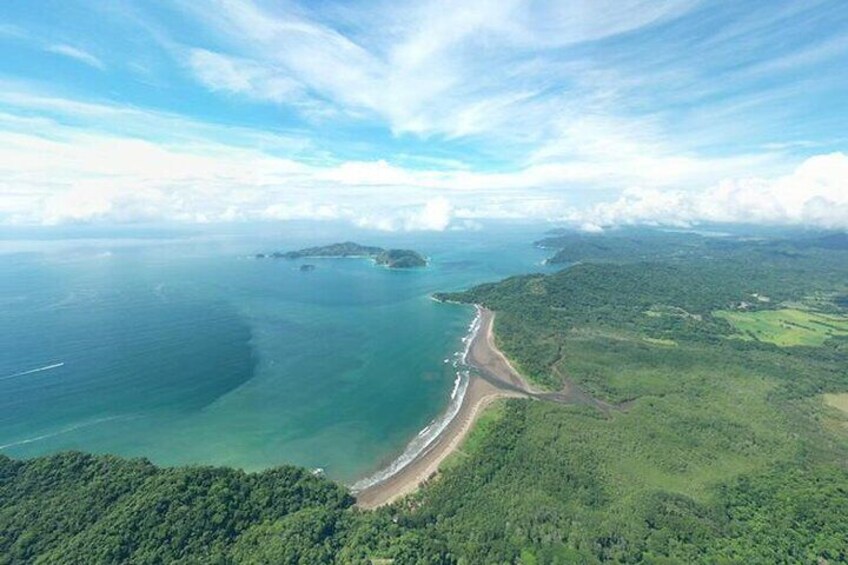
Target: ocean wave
456	383
422	442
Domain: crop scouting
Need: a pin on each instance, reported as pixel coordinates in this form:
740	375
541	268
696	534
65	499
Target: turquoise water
181	348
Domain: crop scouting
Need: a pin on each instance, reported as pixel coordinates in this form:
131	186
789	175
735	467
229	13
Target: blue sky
424	115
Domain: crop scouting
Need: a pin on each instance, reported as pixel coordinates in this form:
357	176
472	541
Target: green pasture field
787	327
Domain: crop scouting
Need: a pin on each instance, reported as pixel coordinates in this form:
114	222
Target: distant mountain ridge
391	258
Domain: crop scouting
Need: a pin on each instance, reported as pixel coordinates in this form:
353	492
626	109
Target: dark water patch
129	356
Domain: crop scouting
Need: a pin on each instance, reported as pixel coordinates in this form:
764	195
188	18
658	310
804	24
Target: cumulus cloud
815	193
77	176
54	173
433	215
63	166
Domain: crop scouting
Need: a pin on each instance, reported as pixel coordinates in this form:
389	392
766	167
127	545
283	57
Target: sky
424	115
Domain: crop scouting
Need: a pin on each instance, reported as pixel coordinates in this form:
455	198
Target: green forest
717	443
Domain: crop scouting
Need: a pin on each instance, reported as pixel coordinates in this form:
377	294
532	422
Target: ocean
179	346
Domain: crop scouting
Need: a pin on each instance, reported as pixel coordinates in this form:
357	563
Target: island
400	259
390	258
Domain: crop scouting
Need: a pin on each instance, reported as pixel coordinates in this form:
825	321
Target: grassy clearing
660	341
490	416
837	421
787	327
660	310
838	401
604	333
699	418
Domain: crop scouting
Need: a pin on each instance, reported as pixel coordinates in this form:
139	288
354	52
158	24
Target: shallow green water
183	349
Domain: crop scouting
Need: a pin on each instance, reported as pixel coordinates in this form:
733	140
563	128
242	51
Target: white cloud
66	166
434	67
77	54
434	215
532	83
240	76
305	211
589	227
815	193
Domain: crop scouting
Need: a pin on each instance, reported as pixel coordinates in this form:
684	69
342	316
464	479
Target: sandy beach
497	379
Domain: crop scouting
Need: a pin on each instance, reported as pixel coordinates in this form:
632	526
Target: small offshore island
390	258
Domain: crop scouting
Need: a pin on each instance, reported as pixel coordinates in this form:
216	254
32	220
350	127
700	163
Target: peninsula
391	258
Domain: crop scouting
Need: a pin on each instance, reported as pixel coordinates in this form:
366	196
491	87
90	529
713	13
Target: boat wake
422	442
65	430
31	371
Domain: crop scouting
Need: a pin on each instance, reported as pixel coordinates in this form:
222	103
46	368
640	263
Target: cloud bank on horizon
425	115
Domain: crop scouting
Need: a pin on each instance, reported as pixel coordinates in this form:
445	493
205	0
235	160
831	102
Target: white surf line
425	439
31	371
419	445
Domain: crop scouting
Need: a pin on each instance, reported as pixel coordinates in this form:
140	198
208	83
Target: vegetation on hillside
717	451
76	508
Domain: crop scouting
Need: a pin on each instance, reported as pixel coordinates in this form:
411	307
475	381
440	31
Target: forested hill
725	366
79	508
76	508
640	244
652	300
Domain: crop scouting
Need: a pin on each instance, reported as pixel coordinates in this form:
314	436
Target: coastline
493	378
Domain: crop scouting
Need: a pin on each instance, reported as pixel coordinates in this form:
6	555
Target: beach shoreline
493	378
